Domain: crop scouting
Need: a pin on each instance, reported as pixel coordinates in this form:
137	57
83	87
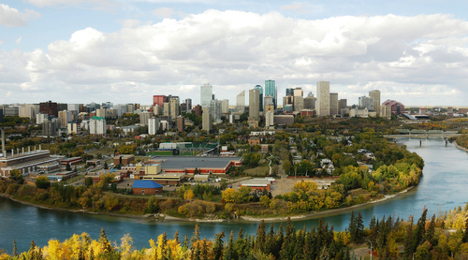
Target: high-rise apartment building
159	100
260	99
342	103
72	128
74	107
298	103
254	104
197	110
65	118
40	118
174	107
1	115
334	104
270	89
366	102
322	106
153	126
166	109
180	124
49	108
28	111
215	110
101	112
144	117
206	95
375	94
188	104
206	119
309	102
240	102
225	106
298	92
269	119
49	128
268	100
97	126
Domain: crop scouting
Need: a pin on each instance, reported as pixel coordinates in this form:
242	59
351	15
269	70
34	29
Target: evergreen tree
408	244
196	235
419	230
465	234
176	237
218	246
229	253
15	249
352	227
430	232
204	251
104	242
270	241
68	167
185	245
359	226
261	237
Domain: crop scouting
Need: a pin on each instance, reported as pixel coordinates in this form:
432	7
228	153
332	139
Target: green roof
98	118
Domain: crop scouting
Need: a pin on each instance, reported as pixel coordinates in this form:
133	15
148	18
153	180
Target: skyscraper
375	94
174	103
270	89
206	119
240	102
188	104
254	104
334	104
153	126
206	95
225	106
367	102
260	90
323	98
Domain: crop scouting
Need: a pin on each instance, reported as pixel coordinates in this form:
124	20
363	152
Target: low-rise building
145	187
124	159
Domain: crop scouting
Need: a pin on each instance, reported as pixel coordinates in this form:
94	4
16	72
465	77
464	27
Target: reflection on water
441	188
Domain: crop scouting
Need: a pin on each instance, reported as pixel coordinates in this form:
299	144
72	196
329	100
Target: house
143	187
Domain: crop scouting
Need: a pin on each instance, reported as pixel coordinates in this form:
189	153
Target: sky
126	51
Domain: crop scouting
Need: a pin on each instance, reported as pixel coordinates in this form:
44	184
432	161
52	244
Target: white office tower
240	102
206	119
97	126
28	111
269	119
72	128
215	110
225	106
322	106
367	102
375	94
206	95
334	104
153	126
40	118
73	107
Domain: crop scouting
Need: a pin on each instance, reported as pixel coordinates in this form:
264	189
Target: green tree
89	182
68	167
16	176
106	166
42	182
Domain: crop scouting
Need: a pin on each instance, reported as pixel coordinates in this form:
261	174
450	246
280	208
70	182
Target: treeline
389	238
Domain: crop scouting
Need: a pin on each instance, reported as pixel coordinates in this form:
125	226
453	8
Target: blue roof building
146	187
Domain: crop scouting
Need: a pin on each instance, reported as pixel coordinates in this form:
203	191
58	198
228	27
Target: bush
42	182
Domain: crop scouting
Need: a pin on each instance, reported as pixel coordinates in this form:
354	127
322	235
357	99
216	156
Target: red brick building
142	187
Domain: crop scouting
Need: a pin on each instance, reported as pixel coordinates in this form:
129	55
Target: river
442	187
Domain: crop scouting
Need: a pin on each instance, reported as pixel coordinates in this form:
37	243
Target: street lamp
370	248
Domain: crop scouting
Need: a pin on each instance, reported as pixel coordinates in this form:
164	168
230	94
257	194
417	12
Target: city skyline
125	50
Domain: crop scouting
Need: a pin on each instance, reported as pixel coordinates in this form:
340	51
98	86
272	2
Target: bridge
416	133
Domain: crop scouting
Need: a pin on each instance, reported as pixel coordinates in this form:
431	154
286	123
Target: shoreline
326	212
459	147
166	218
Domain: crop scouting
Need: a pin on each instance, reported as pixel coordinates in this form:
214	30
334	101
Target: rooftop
182	162
146	184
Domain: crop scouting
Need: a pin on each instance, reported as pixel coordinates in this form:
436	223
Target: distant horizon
129	50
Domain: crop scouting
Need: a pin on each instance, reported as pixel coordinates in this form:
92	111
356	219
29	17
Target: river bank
460	147
166	218
326	212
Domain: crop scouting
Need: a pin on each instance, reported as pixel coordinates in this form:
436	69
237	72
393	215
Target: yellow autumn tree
188	194
228	195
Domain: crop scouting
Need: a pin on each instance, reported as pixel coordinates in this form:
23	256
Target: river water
442	187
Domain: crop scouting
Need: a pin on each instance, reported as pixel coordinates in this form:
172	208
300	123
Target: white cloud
237	50
42	3
10	16
165	12
18	40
